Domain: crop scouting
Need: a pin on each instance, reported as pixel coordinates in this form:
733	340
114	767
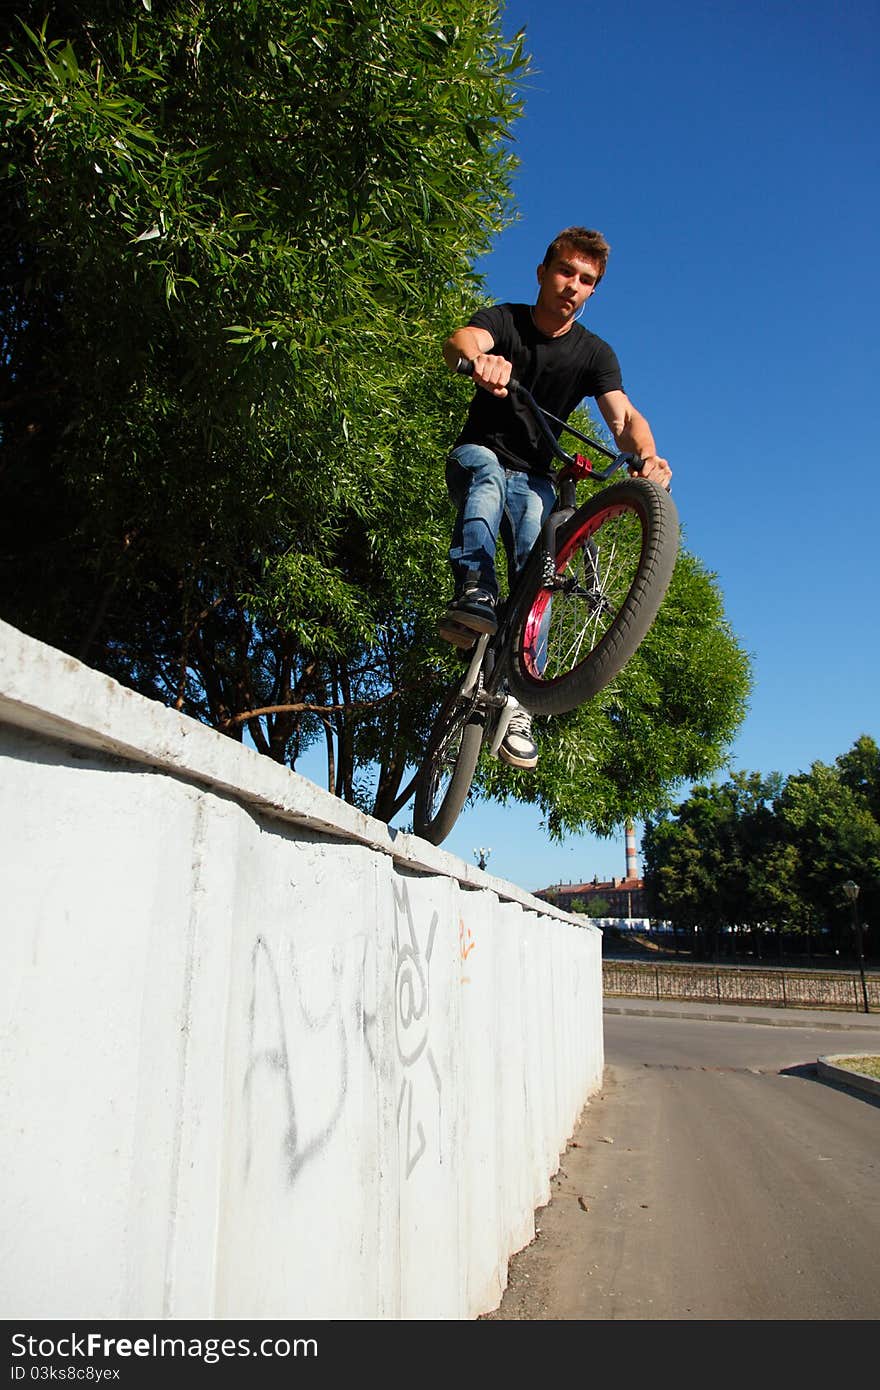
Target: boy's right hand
492	373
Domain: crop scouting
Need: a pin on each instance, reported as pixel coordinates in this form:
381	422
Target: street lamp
851	890
481	855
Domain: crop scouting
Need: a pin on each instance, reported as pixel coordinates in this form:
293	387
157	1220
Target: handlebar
575	465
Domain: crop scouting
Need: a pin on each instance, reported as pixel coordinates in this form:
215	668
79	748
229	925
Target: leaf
473	138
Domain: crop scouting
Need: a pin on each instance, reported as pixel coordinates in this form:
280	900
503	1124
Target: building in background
620	897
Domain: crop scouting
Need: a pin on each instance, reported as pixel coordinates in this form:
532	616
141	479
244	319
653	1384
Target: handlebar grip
465	367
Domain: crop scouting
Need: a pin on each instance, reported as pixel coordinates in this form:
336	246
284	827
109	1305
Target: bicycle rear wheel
448	769
576	628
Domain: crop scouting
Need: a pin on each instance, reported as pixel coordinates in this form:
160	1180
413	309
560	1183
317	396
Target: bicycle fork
505	704
508	709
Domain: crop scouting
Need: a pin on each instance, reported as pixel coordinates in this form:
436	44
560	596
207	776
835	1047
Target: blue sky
729	152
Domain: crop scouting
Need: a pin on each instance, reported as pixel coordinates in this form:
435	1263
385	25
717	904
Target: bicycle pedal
456	633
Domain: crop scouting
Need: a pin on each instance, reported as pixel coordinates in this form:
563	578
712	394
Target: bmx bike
575	614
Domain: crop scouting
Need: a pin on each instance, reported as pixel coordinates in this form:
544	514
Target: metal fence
801	989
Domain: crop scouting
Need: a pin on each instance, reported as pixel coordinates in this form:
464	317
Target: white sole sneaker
525	760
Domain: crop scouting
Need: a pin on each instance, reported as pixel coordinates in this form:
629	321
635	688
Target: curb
790	1021
843	1076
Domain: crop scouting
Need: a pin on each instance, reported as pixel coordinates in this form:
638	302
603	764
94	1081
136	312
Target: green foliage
859	769
234	236
759	852
700	866
592	907
835	834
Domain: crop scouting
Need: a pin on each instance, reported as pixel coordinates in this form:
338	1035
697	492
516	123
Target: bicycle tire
574	633
448	768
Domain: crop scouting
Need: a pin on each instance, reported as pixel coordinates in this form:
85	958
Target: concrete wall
261	1056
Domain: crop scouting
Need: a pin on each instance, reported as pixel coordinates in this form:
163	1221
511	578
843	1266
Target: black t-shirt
559	372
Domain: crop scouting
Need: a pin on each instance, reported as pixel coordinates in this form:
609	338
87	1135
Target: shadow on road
809	1071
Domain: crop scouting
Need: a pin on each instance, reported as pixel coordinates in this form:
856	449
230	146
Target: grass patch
868	1066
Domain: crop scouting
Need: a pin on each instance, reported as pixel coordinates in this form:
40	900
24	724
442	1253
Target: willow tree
233	234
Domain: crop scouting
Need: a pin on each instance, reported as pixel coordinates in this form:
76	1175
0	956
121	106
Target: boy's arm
632	434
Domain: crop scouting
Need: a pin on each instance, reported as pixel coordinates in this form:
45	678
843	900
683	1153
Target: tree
693	863
234	235
859	769
835	837
758	852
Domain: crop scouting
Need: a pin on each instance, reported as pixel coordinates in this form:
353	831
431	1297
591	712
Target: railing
800	989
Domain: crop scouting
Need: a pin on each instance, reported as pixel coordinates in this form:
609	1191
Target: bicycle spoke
444	763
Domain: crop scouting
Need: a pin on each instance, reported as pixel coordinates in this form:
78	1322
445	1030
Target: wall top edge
48	693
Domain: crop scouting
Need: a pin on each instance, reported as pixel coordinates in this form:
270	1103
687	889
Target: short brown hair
581	239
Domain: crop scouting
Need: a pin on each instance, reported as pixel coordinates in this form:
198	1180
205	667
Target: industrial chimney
632	868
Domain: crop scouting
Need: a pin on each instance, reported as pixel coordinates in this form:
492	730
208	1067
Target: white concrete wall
261	1057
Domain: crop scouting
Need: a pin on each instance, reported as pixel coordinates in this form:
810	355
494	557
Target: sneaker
518	748
471	612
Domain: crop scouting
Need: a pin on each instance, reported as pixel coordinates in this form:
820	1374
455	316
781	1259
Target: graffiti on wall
289	1036
420	1087
466	944
270	1057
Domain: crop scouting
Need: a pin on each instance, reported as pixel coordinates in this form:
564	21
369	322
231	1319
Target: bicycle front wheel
448	769
578	624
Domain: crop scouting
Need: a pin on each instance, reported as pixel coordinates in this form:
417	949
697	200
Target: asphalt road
714	1177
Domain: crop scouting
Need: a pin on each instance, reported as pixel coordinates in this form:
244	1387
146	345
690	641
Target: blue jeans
492	500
